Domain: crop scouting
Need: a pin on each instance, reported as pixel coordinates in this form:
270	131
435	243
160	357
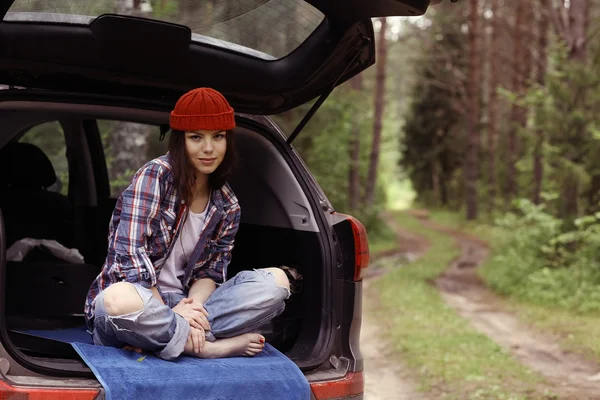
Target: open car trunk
78	66
282	224
266	57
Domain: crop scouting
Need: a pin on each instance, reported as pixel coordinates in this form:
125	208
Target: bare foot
249	344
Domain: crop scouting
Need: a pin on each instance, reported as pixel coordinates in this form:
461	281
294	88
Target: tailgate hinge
364	41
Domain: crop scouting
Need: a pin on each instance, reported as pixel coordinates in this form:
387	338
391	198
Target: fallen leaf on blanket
141	359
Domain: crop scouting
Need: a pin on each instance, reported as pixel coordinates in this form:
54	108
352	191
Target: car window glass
264	28
127	147
50	138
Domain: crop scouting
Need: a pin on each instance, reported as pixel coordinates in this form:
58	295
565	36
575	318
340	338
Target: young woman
163	285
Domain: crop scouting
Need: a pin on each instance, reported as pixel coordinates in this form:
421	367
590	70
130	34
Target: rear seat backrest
30	210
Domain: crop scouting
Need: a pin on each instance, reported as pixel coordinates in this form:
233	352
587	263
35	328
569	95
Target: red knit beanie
202	108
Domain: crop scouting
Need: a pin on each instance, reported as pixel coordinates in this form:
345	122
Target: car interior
73	206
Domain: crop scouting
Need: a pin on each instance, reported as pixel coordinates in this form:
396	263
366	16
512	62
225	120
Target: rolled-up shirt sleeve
140	206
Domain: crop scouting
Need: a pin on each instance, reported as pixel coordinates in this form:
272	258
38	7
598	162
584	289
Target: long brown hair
185	173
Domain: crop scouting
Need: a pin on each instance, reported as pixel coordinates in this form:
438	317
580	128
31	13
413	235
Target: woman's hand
194	313
198	339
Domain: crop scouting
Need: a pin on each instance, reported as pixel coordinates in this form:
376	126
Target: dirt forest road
385	376
567	375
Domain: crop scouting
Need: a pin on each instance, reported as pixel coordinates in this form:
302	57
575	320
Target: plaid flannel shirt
147	218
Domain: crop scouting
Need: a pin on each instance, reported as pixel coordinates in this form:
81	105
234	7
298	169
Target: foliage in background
535	259
324	142
121	178
544	254
433	145
547	254
567	110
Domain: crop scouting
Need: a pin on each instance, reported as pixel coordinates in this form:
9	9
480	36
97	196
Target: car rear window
267	28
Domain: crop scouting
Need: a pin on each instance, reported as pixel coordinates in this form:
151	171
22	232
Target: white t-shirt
174	267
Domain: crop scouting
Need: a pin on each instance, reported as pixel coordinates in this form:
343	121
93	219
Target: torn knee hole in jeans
295	279
266	273
131	317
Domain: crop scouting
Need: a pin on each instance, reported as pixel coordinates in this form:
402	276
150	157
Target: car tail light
361	246
33	393
351	385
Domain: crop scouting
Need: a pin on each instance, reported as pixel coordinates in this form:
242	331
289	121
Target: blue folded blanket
69	335
128	375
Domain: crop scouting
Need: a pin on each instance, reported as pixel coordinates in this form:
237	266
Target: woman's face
205	149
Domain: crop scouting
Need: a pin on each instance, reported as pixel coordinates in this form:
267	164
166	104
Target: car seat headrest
25	166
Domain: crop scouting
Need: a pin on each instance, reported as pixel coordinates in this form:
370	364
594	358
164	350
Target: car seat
30	210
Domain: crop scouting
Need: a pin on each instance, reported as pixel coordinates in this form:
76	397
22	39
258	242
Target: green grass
380	245
382	238
449	357
457	221
577	333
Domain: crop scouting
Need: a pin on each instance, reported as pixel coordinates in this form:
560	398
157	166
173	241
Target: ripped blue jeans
242	304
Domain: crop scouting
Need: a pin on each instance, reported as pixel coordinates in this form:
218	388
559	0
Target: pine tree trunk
354	175
577	40
512	151
378	117
128	148
570	194
472	159
528	40
435	181
528	37
579	11
444	190
493	52
538	166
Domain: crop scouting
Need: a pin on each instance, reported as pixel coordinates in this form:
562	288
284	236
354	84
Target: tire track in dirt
569	375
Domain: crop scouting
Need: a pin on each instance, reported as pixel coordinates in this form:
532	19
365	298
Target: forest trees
433	146
378	118
519	81
471	167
